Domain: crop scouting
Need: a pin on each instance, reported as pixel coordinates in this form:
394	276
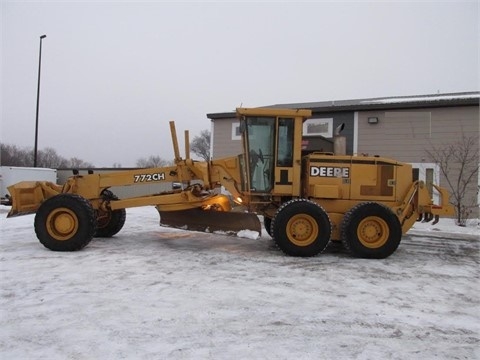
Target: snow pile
163	293
248	234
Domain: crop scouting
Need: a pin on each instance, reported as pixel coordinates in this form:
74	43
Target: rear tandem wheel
301	228
65	222
371	230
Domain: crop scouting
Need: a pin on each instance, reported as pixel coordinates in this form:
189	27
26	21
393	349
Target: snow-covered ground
160	293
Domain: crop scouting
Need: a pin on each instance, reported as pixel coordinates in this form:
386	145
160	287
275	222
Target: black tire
267	223
65	222
110	222
371	230
301	228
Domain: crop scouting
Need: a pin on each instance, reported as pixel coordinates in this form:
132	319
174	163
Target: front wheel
301	228
371	230
65	222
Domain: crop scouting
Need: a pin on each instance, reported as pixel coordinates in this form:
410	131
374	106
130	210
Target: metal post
38	100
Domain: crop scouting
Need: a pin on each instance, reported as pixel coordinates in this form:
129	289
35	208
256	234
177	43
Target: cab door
287	158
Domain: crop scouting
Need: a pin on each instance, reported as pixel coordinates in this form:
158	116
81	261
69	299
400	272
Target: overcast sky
114	73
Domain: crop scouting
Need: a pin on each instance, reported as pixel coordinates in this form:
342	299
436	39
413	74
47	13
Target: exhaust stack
339	141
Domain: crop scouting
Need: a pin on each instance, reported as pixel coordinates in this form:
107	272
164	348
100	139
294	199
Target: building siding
406	135
223	145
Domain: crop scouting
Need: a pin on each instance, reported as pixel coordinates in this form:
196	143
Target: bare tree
78	163
12	155
459	163
49	158
200	145
152	161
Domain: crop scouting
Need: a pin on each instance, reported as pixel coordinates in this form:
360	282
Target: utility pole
38	100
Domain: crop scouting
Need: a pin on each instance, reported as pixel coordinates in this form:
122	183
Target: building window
236	131
430	174
318	127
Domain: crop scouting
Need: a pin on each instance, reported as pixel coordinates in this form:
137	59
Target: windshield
259	138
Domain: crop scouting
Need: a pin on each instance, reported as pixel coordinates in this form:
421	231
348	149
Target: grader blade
196	219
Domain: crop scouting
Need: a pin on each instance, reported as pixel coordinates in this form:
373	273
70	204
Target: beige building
403	128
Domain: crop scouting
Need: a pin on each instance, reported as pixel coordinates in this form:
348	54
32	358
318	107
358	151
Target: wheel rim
373	232
302	230
62	224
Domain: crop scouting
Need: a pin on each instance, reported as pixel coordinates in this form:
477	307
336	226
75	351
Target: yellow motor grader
306	200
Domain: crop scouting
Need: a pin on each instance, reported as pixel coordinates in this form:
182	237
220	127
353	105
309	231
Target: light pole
38	99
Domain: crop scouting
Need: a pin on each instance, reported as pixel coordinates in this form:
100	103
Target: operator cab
272	151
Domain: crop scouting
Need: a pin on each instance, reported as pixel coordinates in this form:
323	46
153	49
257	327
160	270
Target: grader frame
306	200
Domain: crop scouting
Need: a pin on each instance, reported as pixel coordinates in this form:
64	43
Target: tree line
12	155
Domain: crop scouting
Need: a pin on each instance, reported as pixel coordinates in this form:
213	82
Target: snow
420	98
248	234
162	293
447	227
